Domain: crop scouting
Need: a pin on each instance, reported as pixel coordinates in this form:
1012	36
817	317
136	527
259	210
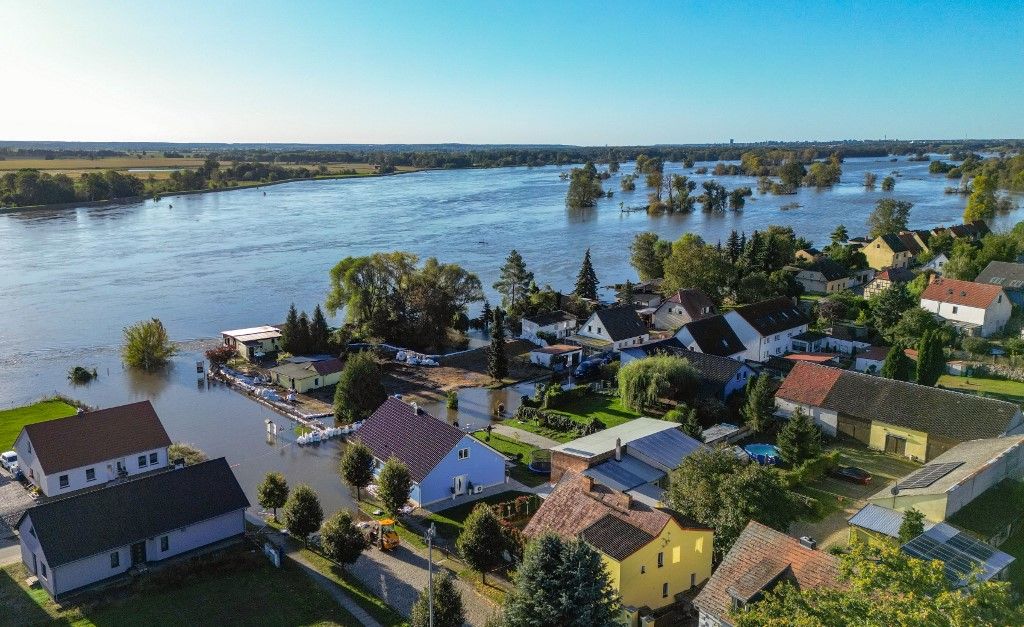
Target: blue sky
517	72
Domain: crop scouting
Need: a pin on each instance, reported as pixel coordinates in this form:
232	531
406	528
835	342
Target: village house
871	359
897	417
767	328
646	294
444	463
973	308
557	356
823	276
613	328
761	559
887	278
915	241
307	374
89	449
97	535
711	336
1009	276
887	251
973	231
847	339
936	264
954	479
718	377
682	307
254	343
652	554
634	457
557	324
809	342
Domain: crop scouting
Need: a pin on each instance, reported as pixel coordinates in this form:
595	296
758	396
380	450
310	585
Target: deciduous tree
394	483
302	512
359	391
448	606
272	492
912	525
643	381
147	345
981	204
889	216
647	255
481	541
356	466
341	540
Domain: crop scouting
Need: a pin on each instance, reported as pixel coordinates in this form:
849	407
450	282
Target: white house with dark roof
444	463
557	323
613	328
67	454
767	328
253	342
823	276
682	307
96	535
711	336
1007	275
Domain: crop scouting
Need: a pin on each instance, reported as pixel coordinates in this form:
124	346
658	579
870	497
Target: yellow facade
311	382
880	255
933	506
916	441
685	558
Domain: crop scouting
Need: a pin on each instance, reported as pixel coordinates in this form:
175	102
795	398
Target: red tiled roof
808	385
815	358
966	293
760	557
96	436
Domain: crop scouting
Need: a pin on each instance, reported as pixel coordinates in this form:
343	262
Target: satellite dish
895	490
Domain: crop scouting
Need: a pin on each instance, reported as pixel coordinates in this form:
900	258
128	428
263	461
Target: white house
767	328
974	308
682	307
848	339
557	356
711	336
556	323
612	328
67	454
937	263
254	342
871	359
96	535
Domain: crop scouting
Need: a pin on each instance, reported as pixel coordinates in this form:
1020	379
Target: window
664	590
153	458
316	382
90	474
42	569
28	445
463	453
643	569
165	543
954	308
115	559
142	461
63	480
661	559
693	579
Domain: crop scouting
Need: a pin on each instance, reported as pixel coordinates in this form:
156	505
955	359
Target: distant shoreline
134	199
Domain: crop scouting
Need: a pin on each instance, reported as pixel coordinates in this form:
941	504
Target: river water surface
70	280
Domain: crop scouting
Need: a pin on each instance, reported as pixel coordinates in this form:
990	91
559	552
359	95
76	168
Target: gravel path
398	576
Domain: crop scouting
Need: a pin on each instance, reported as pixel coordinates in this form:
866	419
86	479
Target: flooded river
71	279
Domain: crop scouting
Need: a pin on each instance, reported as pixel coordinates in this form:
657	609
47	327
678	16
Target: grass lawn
449	522
12	420
241	589
376	607
533	427
606	408
509	446
1012	391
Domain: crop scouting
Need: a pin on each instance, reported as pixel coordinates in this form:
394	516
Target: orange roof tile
966	293
807	384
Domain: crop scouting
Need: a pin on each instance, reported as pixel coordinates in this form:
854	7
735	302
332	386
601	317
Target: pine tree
592	600
799	439
912	525
839	235
497	359
290	330
302	337
486	315
897	365
931	360
513	281
734	246
586	280
759	407
691	426
319	332
627	293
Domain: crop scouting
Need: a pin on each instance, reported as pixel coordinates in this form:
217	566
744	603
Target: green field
606	408
12	420
508	446
242	589
1002	389
381	611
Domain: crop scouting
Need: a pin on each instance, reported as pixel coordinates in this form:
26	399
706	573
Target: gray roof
666	448
621	323
774	315
894	242
881	520
714	336
1009	276
615	537
831	270
102	520
603	441
550	317
623	475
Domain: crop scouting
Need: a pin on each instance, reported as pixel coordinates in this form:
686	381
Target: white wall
1010	465
105	471
760	348
827	420
594	328
559	330
990	320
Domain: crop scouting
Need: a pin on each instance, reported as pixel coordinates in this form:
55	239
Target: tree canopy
448	607
642	382
272	492
513	281
586	280
481	541
800	439
889	216
359	391
302	512
394	484
759	405
147	345
356	466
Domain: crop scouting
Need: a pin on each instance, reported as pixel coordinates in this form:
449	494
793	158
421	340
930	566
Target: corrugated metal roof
624	475
604	440
881	520
666	448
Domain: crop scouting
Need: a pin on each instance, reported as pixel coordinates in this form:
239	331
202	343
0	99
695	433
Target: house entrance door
139	553
460	485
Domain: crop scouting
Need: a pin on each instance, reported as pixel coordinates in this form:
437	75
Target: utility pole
430	571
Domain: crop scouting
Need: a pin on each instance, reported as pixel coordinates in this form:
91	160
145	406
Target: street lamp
431	533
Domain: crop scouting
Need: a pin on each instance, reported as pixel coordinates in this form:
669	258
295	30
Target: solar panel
960	553
928	475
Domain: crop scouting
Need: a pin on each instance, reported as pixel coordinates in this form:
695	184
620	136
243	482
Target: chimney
588	484
415	407
808	542
627	500
618	449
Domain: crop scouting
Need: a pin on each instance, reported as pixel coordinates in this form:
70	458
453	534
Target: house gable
480	464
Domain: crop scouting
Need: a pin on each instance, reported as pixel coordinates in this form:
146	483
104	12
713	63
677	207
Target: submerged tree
359	391
147	345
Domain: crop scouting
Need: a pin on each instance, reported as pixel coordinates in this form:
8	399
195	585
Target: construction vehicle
383	535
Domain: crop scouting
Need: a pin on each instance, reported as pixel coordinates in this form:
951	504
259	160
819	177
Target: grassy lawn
449	522
12	420
240	589
608	409
532	427
1012	391
384	613
509	446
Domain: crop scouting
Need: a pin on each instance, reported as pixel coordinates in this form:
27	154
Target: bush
557	422
976	345
811	469
643	381
80	375
221	355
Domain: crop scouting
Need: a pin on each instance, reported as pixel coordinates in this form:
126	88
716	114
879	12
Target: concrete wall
105	470
827	420
484	467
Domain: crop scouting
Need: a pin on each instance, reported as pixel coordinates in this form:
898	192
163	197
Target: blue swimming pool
765	454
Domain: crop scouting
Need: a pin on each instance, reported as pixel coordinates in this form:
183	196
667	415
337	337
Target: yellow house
887	251
652	554
253	343
306	376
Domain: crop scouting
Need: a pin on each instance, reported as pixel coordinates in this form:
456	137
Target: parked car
8	459
852	474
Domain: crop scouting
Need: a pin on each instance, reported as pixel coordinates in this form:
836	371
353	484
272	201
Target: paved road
340	596
525	436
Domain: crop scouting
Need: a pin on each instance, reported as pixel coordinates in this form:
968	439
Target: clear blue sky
515	72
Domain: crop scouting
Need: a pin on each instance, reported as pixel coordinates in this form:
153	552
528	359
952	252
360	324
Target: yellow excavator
383	535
